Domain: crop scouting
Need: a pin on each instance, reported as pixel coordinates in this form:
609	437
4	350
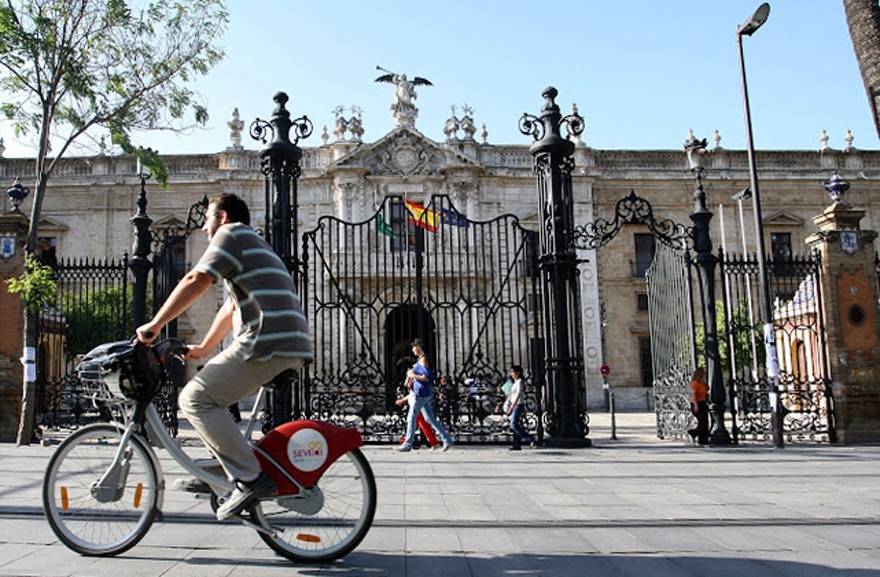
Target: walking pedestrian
428	435
700	406
423	395
513	407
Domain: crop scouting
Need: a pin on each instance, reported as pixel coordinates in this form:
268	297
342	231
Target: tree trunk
28	387
863	19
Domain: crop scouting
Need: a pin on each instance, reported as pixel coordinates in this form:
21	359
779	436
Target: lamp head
757	20
744	194
17	194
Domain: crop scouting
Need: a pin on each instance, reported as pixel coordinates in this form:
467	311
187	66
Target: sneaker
244	494
446	447
533	445
404	448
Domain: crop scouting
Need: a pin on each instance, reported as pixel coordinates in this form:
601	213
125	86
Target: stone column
14	226
852	321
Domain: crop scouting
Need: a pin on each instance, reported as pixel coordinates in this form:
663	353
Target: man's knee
193	398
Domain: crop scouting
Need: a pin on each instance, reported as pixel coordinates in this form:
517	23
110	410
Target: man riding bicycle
272	336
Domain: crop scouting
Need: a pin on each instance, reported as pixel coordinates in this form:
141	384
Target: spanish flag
422	217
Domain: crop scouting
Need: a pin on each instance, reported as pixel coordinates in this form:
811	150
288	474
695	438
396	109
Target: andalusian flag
422	217
383	226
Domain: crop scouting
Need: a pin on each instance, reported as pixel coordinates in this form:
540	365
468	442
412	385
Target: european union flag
453	217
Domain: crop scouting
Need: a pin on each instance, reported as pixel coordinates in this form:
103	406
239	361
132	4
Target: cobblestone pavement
632	507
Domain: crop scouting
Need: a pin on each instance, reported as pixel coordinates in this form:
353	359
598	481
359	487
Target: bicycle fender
303	450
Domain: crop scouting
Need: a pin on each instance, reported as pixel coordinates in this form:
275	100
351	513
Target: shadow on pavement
546	565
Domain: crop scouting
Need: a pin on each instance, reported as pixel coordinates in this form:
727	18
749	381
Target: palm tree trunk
863	19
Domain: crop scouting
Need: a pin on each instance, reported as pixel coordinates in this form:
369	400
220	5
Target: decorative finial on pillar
823	141
2	147
848	139
550	93
102	146
575	136
355	125
716	139
467	123
341	124
484	134
235	127
452	125
325	136
836	187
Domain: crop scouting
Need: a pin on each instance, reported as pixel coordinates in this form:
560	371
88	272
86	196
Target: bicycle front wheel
94	520
348	489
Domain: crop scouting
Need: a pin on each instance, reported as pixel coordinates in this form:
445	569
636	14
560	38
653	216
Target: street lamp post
748	28
706	263
140	262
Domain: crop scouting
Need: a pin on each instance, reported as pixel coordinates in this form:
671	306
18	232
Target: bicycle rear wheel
349	503
114	523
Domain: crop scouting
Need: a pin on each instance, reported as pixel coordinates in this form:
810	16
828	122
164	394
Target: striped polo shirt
272	319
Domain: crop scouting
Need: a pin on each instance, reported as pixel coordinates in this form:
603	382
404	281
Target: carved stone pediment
782	218
168	221
403	152
50	226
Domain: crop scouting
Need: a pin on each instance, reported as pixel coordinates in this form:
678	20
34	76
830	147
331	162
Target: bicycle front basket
142	374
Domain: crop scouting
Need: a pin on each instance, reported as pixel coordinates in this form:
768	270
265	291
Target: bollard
613	416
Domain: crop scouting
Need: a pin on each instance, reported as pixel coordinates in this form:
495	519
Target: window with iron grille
644	253
642	302
780	249
403	233
646	362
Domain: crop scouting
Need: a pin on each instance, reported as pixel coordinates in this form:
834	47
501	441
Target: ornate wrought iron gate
673	343
670	306
467	288
169	266
92	306
804	379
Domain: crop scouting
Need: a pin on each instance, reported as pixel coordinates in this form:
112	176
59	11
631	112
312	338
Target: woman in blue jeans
514	408
421	378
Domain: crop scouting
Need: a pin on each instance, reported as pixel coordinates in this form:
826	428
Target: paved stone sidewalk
633	507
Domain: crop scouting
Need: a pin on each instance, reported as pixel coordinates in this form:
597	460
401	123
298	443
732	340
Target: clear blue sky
641	71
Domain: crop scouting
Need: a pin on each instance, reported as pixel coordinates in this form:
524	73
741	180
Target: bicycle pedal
272	532
197	487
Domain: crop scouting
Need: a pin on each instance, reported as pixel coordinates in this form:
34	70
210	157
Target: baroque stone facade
91	199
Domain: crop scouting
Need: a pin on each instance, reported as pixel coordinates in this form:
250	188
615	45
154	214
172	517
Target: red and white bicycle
103	486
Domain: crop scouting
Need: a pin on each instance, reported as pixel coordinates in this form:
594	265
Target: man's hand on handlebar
147	333
196	351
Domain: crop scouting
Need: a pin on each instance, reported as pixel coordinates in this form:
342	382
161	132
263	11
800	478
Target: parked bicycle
104	487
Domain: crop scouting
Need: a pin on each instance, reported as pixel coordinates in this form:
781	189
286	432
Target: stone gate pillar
852	316
13	234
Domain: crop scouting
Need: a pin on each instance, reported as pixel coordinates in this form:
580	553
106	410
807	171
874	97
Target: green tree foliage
74	68
743	332
97	317
36	285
